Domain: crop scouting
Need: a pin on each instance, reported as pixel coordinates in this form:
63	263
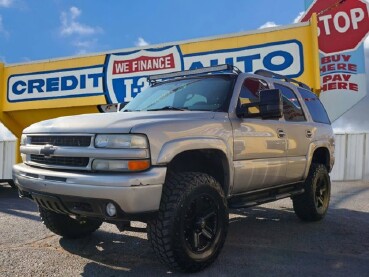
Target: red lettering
352	67
336	58
346	77
332	86
325	60
353	86
143	64
331	67
327	78
342	85
341	66
346	58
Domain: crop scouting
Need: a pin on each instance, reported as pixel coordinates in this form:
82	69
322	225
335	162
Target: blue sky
43	29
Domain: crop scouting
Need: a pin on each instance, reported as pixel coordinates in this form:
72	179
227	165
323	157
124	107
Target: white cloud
297	19
85	46
79	33
6	3
141	42
268	24
71	25
3	31
84	43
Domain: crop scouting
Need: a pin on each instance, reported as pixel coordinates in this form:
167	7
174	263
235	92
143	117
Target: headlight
120	165
121	141
23	140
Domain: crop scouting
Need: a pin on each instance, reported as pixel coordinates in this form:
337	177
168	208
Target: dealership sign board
124	75
120	76
342	28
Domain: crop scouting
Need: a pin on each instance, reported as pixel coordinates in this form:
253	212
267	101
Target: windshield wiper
169	108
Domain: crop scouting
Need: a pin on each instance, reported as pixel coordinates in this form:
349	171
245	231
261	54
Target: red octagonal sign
342	26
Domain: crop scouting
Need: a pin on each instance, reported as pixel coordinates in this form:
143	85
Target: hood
121	122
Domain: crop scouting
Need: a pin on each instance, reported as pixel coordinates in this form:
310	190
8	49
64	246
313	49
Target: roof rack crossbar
211	69
271	74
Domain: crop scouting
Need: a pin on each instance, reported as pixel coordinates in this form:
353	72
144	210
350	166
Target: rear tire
313	204
191	227
65	226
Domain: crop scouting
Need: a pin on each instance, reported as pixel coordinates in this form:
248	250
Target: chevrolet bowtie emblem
47	150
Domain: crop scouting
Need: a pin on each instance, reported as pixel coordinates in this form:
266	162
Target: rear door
298	133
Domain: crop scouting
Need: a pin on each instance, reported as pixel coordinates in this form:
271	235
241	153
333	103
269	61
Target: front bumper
134	192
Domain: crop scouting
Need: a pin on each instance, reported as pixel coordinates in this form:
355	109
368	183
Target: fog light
111	210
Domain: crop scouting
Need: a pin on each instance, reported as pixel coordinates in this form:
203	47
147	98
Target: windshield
209	93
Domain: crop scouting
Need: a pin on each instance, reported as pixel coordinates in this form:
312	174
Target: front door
259	145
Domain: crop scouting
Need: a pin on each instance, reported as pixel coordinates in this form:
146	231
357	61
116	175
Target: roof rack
211	69
271	74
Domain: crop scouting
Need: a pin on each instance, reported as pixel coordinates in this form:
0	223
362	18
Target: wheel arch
202	154
319	153
211	161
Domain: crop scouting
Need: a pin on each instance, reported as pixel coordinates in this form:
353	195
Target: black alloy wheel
200	226
313	204
321	193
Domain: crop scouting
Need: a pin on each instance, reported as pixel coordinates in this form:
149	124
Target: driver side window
250	92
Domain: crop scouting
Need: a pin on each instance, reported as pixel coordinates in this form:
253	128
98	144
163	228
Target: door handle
309	134
281	133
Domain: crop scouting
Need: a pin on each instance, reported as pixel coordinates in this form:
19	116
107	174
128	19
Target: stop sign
342	26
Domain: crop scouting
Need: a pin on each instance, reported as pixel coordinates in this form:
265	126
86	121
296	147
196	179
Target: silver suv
178	156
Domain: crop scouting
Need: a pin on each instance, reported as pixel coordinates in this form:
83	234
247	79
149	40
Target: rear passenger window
314	106
292	110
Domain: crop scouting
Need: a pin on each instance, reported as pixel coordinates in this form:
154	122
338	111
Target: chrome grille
69	141
60	161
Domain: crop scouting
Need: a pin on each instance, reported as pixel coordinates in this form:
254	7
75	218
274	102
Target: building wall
352	157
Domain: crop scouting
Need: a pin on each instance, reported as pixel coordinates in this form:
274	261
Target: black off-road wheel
66	226
191	227
313	204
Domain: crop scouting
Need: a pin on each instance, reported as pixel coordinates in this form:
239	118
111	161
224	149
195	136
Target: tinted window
250	92
292	110
315	107
251	88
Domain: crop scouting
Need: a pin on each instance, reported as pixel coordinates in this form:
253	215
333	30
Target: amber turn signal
138	165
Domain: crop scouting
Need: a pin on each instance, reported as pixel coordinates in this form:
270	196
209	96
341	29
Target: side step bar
259	197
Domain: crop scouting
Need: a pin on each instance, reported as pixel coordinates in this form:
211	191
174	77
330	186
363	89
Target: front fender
172	148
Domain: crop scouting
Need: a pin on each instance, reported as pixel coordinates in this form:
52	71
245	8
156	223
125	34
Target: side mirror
270	105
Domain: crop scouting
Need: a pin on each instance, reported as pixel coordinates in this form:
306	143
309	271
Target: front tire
191	227
65	226
313	204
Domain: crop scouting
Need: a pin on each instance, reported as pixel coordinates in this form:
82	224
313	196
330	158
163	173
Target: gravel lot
268	240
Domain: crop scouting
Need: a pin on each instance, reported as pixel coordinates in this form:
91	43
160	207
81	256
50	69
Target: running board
259	197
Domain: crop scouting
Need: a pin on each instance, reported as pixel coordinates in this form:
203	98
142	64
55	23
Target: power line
335	5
